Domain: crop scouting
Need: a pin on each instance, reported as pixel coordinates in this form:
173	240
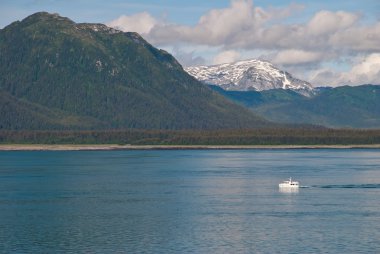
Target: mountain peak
46	16
97	27
57	74
251	74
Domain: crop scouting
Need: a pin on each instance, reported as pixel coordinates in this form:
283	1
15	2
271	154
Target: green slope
353	107
118	80
16	114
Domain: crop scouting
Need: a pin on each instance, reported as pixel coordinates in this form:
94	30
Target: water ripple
349	186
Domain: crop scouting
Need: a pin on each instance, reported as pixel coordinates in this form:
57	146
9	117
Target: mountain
340	107
57	74
247	75
17	114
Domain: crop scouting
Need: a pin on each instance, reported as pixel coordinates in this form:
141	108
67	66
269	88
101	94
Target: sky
328	43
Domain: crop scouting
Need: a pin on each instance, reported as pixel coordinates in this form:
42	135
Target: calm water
189	202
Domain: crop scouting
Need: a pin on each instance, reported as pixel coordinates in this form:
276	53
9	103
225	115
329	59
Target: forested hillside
340	107
57	74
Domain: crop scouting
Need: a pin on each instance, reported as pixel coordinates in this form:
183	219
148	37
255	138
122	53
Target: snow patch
98	28
250	74
99	65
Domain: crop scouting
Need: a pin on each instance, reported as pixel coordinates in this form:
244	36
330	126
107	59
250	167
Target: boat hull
284	185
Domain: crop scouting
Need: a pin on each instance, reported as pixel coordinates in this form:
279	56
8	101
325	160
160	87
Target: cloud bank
365	70
327	36
228	56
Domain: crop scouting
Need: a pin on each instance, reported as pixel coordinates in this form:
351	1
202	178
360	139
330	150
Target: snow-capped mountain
250	75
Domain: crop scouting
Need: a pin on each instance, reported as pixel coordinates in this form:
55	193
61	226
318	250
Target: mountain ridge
250	74
339	107
115	79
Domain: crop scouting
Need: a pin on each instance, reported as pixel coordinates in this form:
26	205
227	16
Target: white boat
289	184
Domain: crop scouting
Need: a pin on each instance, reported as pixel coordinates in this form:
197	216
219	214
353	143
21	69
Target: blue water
201	201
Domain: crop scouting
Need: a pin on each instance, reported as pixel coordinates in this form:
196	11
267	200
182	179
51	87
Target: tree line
265	136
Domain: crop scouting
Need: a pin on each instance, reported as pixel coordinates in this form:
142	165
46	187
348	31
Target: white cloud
284	12
141	23
294	56
244	26
326	22
327	36
325	77
366	70
217	27
358	38
226	57
188	58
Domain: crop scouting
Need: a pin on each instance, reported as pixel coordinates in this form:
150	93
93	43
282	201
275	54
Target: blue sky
185	12
325	42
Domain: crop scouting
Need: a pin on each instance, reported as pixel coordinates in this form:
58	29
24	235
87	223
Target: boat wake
349	186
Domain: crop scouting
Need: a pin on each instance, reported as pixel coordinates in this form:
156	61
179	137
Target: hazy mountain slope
255	99
356	107
119	79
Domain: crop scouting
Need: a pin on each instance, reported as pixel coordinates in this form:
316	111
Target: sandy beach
43	147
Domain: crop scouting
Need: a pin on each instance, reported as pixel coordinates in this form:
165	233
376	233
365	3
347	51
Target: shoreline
109	147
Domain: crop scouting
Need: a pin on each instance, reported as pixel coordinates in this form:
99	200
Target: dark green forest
267	136
59	75
68	83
